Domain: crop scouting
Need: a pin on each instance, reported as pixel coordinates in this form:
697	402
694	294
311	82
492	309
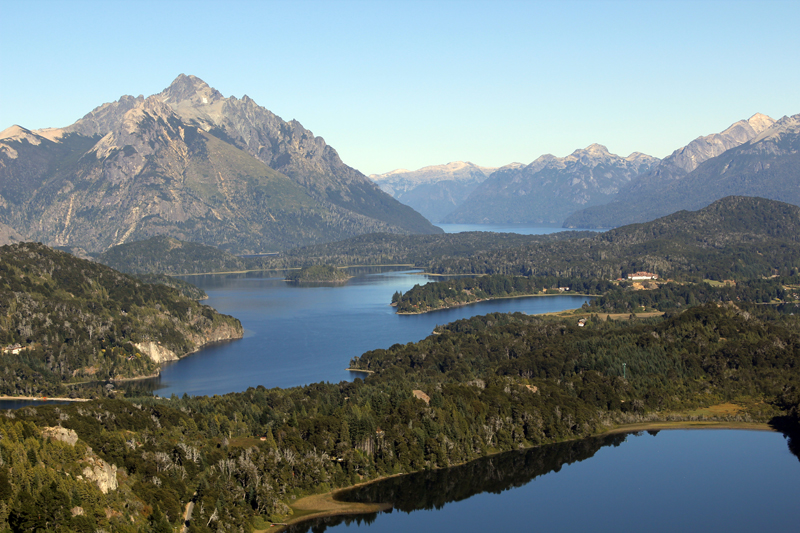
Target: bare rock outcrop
102	473
156	352
63	434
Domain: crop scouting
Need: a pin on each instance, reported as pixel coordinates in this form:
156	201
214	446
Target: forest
494	383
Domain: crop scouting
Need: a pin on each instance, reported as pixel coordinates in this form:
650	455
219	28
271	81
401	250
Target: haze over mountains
592	188
191	164
436	190
549	189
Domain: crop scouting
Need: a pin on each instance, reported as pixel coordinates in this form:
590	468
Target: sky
407	84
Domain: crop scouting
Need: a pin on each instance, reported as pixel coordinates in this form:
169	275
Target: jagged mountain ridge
639	201
290	149
136	168
550	188
434	190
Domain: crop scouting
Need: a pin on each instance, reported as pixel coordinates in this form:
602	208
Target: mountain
436	190
193	165
549	189
643	199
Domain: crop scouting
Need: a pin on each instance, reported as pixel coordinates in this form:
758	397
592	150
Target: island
318	274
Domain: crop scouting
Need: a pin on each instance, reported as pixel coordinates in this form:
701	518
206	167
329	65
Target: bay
296	335
677	480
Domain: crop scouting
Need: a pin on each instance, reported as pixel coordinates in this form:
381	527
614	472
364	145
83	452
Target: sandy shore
44	398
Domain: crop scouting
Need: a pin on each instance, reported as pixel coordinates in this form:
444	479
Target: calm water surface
711	480
299	335
505	228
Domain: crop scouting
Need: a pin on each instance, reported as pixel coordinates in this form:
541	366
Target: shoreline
463	304
43	399
325	504
290	268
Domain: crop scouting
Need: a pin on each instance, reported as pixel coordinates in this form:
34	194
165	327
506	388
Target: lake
521	229
296	335
677	480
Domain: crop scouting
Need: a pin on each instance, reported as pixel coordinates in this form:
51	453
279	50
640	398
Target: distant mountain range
549	189
437	190
686	179
592	188
191	164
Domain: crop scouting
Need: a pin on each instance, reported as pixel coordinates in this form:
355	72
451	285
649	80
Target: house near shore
636	276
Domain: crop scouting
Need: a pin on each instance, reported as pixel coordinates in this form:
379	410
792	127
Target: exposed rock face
434	191
193	165
643	199
101	473
63	434
96	470
9	235
215	333
550	188
157	353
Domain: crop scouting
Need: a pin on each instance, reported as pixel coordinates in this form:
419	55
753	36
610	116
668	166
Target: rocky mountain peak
760	122
595	148
778	128
18	133
189	88
195	101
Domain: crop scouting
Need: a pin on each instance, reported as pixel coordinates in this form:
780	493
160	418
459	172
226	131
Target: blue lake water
505	228
295	335
681	480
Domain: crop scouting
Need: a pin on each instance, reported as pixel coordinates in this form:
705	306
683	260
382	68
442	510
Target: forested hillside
66	320
477	386
733	238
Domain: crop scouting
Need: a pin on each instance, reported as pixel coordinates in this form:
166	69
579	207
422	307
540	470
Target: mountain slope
290	149
550	188
167	255
436	190
643	199
134	168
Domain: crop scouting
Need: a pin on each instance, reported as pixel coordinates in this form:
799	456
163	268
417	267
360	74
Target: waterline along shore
325	504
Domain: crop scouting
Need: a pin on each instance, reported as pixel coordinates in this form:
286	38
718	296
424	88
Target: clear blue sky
409	84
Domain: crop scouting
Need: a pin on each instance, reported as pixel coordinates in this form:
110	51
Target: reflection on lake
295	335
686	480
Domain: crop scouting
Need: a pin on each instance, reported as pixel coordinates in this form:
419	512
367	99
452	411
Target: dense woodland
493	383
75	321
733	238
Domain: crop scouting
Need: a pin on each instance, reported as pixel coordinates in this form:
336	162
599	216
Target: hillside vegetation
75	321
487	384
